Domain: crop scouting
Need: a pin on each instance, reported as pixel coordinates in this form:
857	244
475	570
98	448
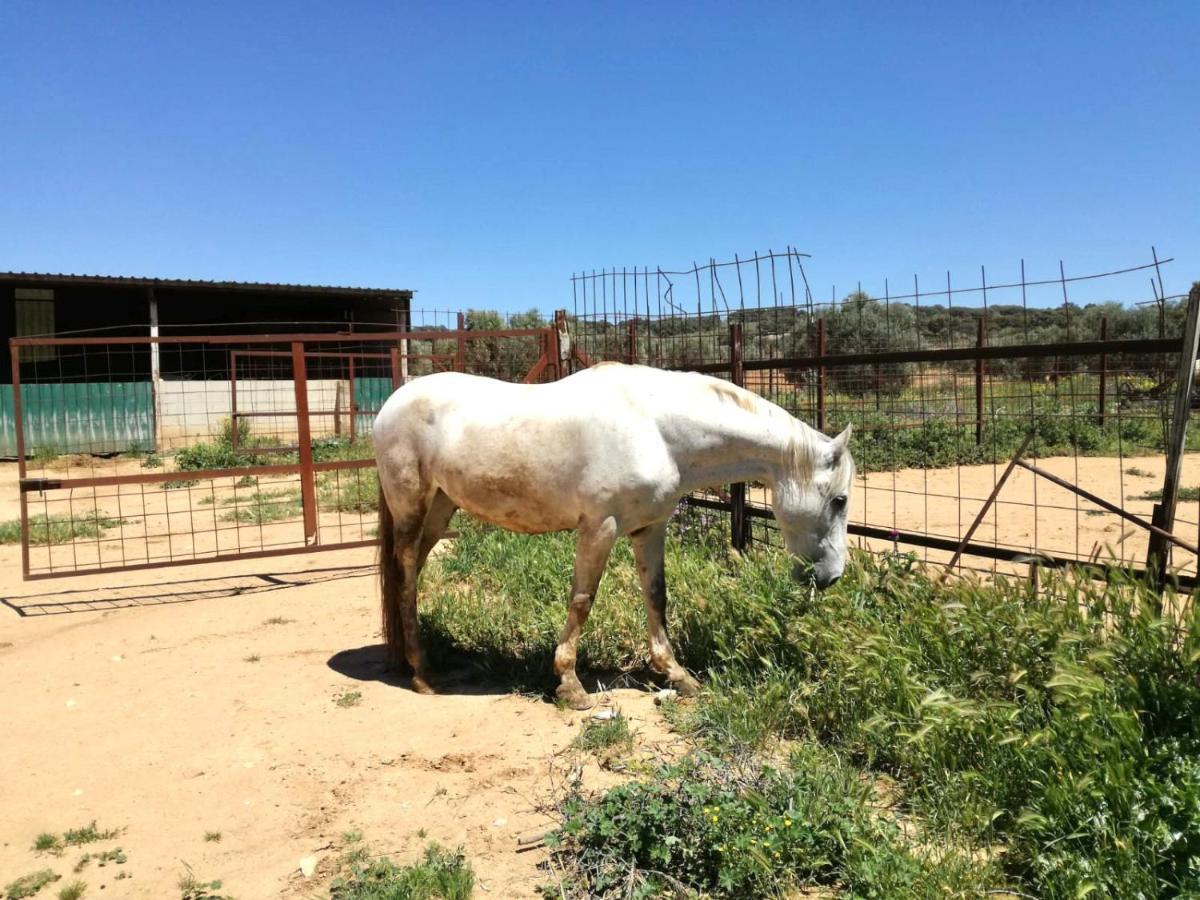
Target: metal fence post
308	491
460	356
821	375
980	339
633	341
1101	400
738	520
1158	554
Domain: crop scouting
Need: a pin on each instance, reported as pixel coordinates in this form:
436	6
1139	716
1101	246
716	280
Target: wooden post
1158	554
1102	399
397	363
308	490
979	343
821	375
738	520
460	358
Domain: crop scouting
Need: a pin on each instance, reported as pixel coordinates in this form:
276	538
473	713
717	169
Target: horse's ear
841	442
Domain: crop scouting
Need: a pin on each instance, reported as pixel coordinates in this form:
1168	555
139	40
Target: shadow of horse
472	674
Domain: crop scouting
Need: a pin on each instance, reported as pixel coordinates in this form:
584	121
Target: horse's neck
727	445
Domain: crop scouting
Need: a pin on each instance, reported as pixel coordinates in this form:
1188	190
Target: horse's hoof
575	697
685	685
421	686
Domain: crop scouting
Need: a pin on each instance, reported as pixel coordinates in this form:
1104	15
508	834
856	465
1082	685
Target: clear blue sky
482	152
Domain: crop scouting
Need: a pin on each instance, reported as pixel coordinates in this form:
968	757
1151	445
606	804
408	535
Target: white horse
608	452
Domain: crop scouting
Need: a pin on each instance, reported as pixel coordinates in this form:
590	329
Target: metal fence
943	387
171	450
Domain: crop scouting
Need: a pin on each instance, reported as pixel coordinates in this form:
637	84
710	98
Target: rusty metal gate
251	446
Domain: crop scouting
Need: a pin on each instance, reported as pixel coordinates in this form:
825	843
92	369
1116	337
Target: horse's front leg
649	548
591	555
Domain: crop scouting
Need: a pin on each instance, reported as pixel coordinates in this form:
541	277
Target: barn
57	386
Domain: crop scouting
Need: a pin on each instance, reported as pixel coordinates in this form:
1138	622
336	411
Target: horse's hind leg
441	510
591	555
649	547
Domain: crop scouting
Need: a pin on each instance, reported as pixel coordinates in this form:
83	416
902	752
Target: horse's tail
391	580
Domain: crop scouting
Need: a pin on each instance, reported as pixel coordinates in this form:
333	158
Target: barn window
35	316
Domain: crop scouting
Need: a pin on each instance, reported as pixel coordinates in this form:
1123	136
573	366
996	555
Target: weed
191	888
440	875
72	891
28	885
1138	473
252	658
152	461
212	837
1185	493
45	455
603	734
346	699
59	529
262	508
278	620
88	834
46	842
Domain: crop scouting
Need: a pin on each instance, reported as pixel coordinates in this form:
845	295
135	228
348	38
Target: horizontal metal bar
952	354
328	338
199	561
30	485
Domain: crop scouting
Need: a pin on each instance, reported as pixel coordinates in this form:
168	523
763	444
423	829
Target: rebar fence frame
92	365
695	320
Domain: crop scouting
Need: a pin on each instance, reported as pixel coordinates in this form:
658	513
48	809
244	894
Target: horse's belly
511	502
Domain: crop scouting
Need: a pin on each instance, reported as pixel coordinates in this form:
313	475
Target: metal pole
821	375
156	371
1158	556
19	423
1101	400
979	342
738	521
460	358
308	492
632	341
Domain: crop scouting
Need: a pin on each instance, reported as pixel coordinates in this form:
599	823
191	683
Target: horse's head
811	500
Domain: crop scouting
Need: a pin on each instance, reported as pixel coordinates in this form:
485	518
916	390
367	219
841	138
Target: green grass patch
441	874
347	699
1063	726
192	888
28	885
1185	493
72	891
263	507
59	529
88	834
604	734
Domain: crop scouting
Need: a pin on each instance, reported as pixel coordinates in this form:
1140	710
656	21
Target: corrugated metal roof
45	278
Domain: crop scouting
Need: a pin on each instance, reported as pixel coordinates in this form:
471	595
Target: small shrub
440	875
88	834
346	699
46	842
191	888
72	891
212	837
28	885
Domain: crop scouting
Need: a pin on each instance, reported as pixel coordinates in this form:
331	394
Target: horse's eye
838	503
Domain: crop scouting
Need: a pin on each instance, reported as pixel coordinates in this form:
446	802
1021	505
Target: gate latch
39	484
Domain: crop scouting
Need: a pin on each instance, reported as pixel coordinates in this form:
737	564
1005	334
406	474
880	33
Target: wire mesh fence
942	386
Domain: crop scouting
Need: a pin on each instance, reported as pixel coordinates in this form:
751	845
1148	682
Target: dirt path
151	718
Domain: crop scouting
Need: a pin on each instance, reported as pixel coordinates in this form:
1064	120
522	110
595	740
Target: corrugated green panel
369	393
80	417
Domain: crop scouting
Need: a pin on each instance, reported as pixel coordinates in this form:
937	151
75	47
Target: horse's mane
800	454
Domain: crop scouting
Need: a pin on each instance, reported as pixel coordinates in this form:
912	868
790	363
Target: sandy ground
131	698
128	699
